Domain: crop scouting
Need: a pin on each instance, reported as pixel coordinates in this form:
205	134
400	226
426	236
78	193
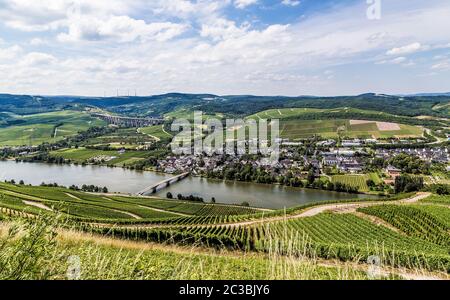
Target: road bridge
162	185
129	121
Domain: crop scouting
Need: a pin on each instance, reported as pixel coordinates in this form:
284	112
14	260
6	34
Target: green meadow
47	127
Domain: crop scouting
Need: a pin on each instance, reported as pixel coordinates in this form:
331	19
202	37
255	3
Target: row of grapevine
344	237
413	221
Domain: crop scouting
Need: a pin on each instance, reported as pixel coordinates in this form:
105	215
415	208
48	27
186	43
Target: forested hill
242	105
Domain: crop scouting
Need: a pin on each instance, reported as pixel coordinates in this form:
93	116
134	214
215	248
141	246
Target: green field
421	239
110	259
84	205
435	199
358	181
298	129
84	155
428	223
156	131
122	138
293	127
47	127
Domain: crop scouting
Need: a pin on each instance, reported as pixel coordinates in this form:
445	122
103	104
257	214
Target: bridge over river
127	121
163	184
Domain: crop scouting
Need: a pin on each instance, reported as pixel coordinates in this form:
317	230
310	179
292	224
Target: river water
128	181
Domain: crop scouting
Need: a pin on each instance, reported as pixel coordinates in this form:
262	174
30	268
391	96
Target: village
322	159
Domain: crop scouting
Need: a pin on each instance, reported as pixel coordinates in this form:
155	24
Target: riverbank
132	181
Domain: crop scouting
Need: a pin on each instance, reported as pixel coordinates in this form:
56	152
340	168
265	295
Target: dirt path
407	274
73	196
22	196
128	214
76	236
165	211
157	139
166	131
37	204
377	221
345	208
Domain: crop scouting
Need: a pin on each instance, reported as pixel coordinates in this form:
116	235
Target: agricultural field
109	157
47	127
358	181
435	199
122	138
156	132
112	259
417	236
425	222
341	236
300	129
293	127
108	207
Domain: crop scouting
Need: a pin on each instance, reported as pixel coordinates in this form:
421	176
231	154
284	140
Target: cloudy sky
261	47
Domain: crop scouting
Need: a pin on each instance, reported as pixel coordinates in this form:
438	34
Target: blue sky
261	47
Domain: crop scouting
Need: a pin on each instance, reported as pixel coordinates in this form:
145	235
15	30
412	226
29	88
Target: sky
224	47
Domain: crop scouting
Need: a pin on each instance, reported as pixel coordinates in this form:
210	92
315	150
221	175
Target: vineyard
112	209
357	181
415	221
421	238
438	200
343	237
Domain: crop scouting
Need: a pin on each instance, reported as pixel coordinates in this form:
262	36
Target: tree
407	184
311	177
213	200
105	190
169	195
245	203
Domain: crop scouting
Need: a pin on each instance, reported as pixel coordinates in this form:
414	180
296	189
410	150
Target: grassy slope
298	129
40	128
156	131
82	154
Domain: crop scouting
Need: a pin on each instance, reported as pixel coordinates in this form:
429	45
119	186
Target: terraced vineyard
415	221
113	208
345	237
445	200
421	237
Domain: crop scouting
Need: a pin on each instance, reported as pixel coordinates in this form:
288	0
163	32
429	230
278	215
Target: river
129	181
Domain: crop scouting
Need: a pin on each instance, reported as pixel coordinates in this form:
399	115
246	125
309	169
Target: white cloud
291	2
244	3
196	46
37	42
223	29
408	49
10	52
442	65
119	29
35	59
